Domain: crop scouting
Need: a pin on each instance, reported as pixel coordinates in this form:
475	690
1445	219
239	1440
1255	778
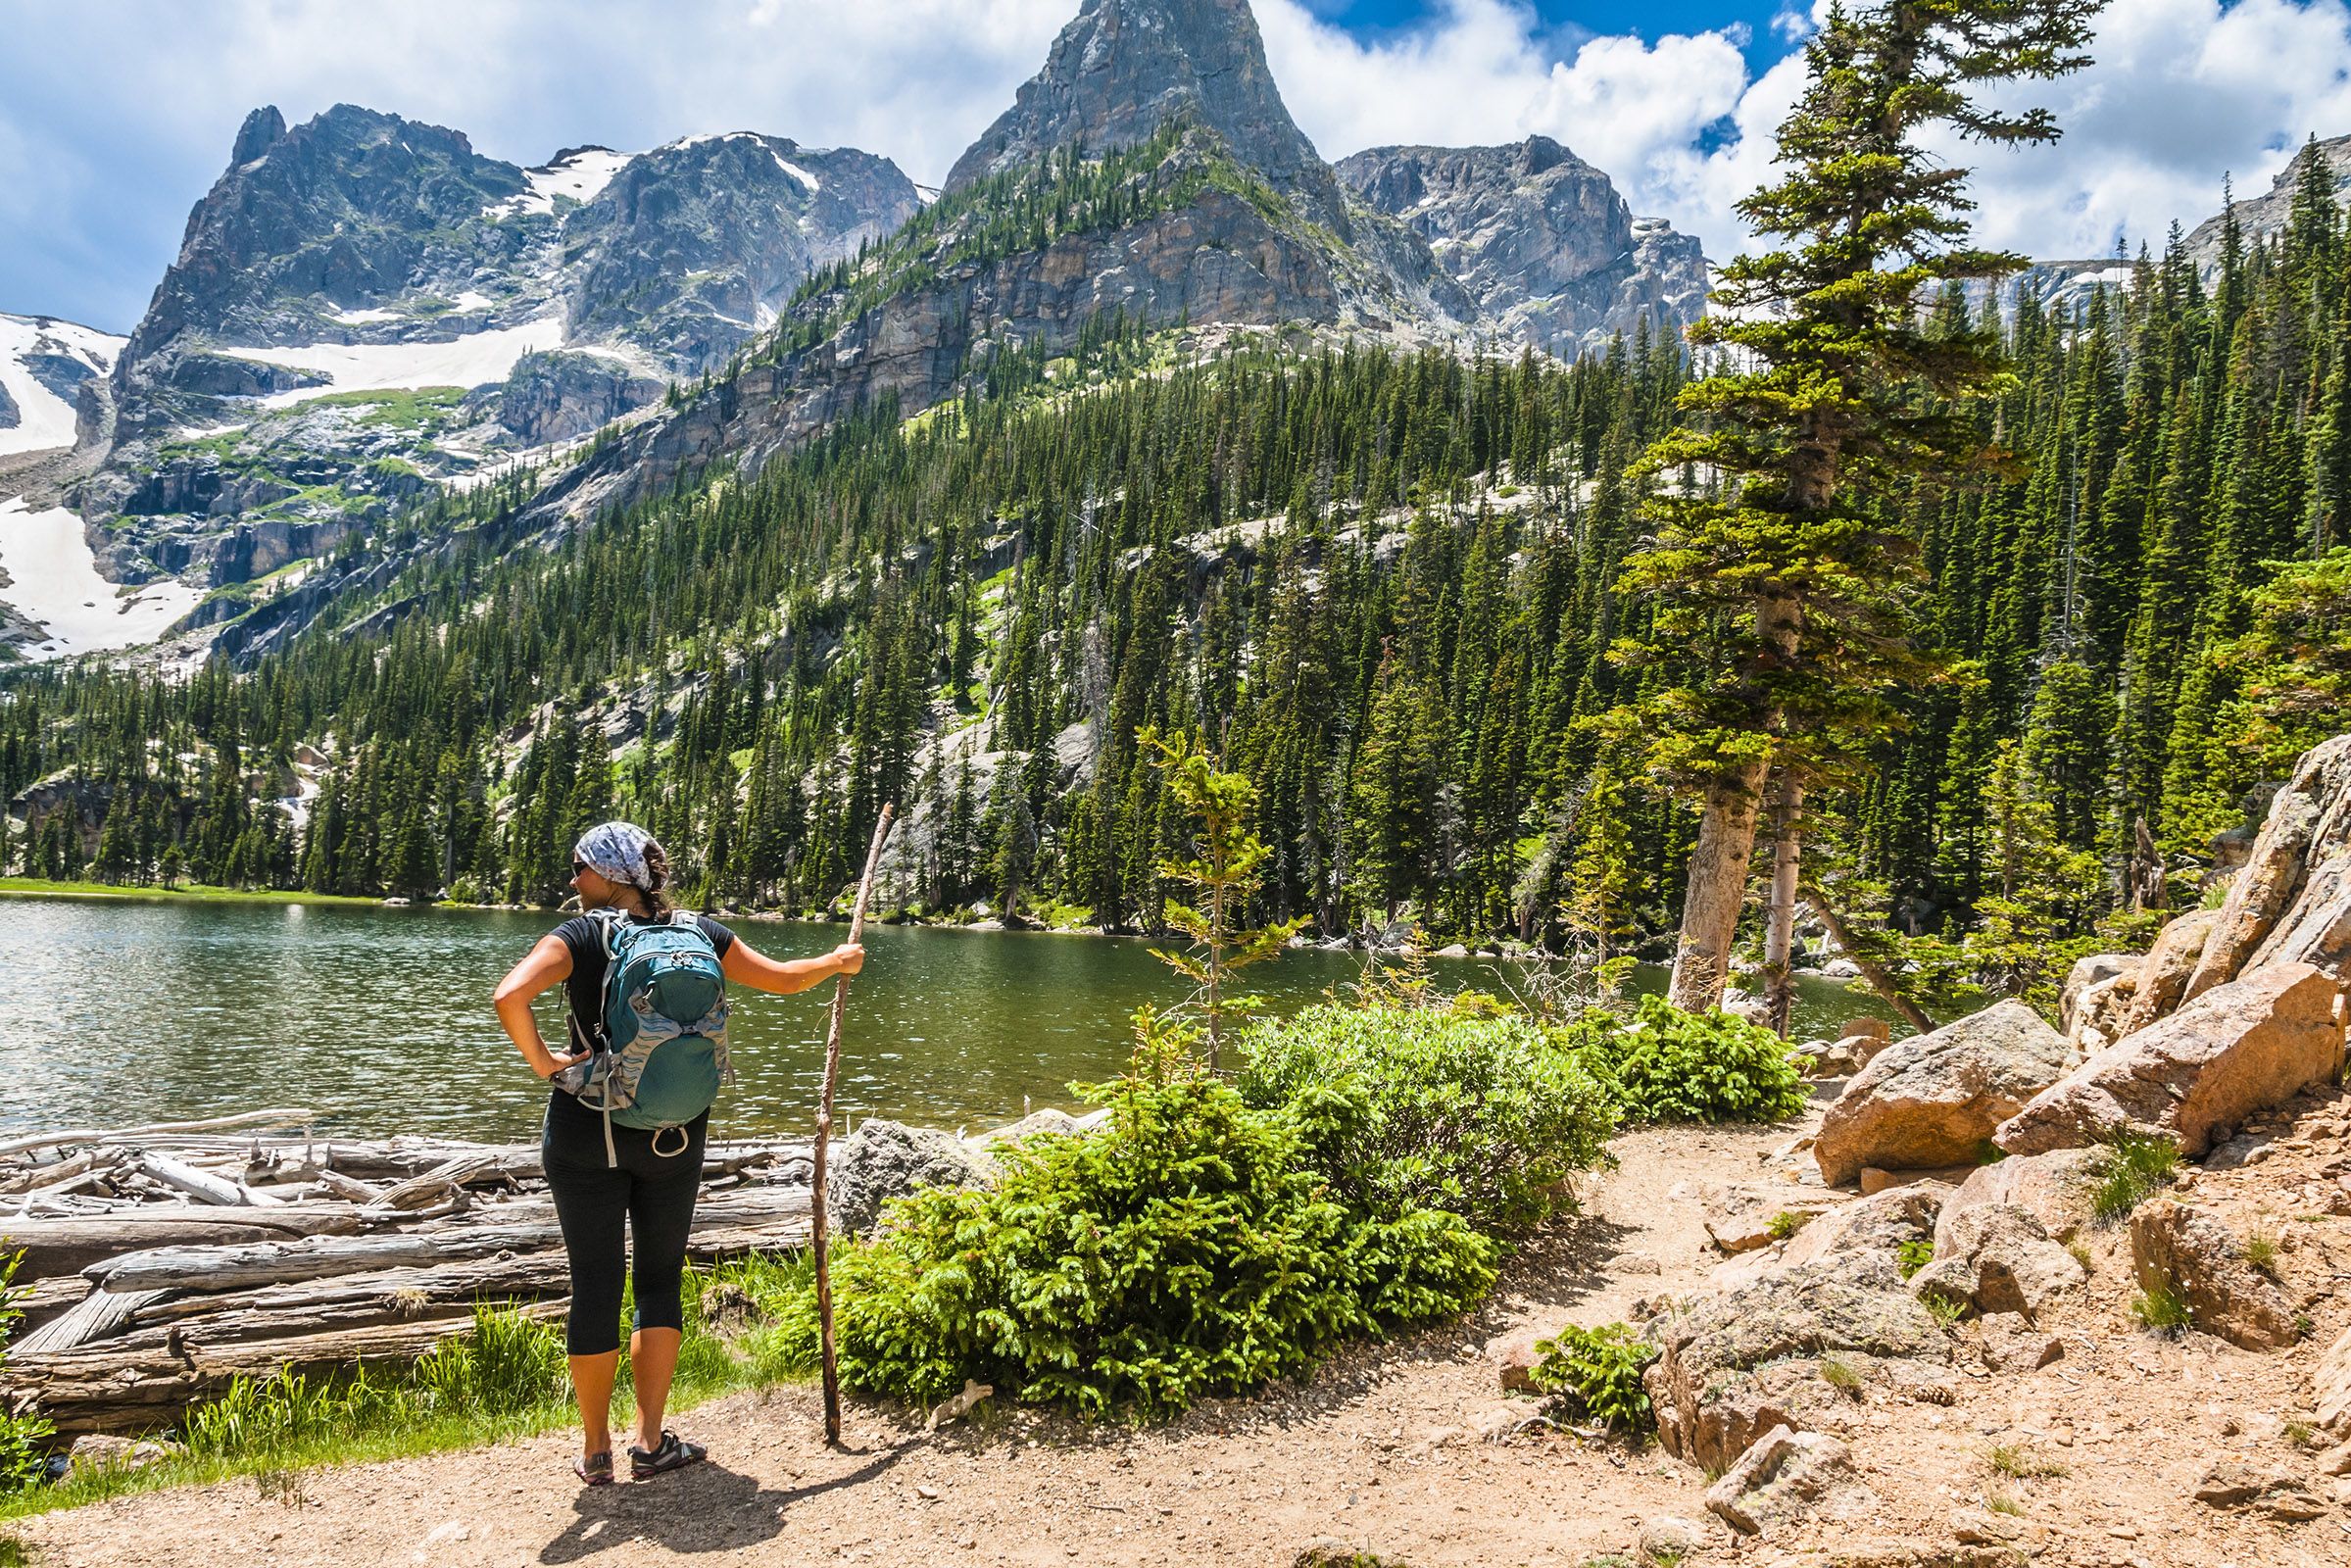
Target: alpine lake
115	1012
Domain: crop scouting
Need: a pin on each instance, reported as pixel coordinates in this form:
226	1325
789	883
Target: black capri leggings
650	1194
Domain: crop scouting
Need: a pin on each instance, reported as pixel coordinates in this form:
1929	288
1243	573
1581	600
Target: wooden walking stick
824	1136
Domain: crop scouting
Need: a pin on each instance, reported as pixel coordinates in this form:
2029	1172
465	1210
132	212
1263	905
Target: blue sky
115	115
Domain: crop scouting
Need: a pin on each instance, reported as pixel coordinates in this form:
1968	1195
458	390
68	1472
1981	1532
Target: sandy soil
1391	1449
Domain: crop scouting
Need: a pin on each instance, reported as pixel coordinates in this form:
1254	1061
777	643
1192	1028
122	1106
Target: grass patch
1840	1376
2003	1503
502	1380
1785	1223
2261	1250
2127	1171
2081	1252
2162	1309
2022	1463
2302	1435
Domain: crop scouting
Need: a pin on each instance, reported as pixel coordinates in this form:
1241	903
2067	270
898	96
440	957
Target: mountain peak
1125	68
263	128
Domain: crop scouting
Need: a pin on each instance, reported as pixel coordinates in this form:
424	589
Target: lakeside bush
1671	1065
1482	1116
1192	1247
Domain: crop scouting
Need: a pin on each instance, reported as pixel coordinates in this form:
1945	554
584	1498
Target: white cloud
2182	92
115	115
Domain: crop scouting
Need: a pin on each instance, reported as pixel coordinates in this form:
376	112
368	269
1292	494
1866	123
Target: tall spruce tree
1785	573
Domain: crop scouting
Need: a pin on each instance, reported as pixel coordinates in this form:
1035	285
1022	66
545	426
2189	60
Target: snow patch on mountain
796	172
53	580
45	416
478	359
580	175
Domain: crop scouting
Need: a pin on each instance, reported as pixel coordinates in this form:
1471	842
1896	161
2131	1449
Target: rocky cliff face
364	304
692	247
1542	240
2266	214
1122	69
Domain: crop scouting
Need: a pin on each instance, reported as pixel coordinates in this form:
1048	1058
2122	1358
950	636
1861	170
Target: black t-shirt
584	990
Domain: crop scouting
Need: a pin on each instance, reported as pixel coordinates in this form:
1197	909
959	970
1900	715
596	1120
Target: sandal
674	1454
596	1469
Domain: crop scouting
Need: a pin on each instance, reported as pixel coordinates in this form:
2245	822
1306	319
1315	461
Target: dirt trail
1386	1448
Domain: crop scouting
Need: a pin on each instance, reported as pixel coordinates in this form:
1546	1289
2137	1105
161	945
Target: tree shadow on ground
707	1508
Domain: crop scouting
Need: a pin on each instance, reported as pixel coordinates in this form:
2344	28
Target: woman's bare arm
547	963
785	976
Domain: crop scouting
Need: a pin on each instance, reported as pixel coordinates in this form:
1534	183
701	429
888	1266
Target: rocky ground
2124	1448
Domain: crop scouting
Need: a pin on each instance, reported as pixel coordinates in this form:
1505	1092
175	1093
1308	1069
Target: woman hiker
633	1158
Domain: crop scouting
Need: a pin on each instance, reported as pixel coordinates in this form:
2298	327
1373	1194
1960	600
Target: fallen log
44	1178
396	1294
96	1316
135	1135
42	1300
200	1184
66	1247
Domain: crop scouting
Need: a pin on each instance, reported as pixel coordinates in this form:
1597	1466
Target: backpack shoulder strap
686	918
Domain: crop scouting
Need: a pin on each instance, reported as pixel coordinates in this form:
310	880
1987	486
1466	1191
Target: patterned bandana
617	850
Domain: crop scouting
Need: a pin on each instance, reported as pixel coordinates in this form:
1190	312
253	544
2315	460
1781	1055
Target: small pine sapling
1224	866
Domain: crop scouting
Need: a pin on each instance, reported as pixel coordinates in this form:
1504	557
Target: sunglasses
577	866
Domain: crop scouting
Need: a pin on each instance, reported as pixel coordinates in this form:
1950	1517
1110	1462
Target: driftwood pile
160	1262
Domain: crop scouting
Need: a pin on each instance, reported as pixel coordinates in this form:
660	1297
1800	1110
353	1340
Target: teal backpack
664	1024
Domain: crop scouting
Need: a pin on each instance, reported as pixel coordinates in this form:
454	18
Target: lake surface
119	1012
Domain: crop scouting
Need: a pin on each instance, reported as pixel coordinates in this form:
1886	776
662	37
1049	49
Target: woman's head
620	863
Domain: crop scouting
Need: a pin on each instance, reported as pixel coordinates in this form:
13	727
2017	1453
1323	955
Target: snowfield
47	418
580	176
796	172
478	359
54	581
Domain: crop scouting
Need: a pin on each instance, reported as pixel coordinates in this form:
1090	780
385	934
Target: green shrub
1785	1223
2128	1169
1601	1369
1671	1065
1482	1117
1911	1255
1190	1247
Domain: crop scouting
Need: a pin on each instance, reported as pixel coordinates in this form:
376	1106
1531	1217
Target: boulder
2246	1047
2101	1015
1933	1099
1870	1226
883	1159
1996	1259
2331	1388
1876	1180
2053	1188
2163	975
2194	1254
1781	1475
1668	1539
1514	1358
2292	901
1745	1220
1731	1367
2011	1345
2094	970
